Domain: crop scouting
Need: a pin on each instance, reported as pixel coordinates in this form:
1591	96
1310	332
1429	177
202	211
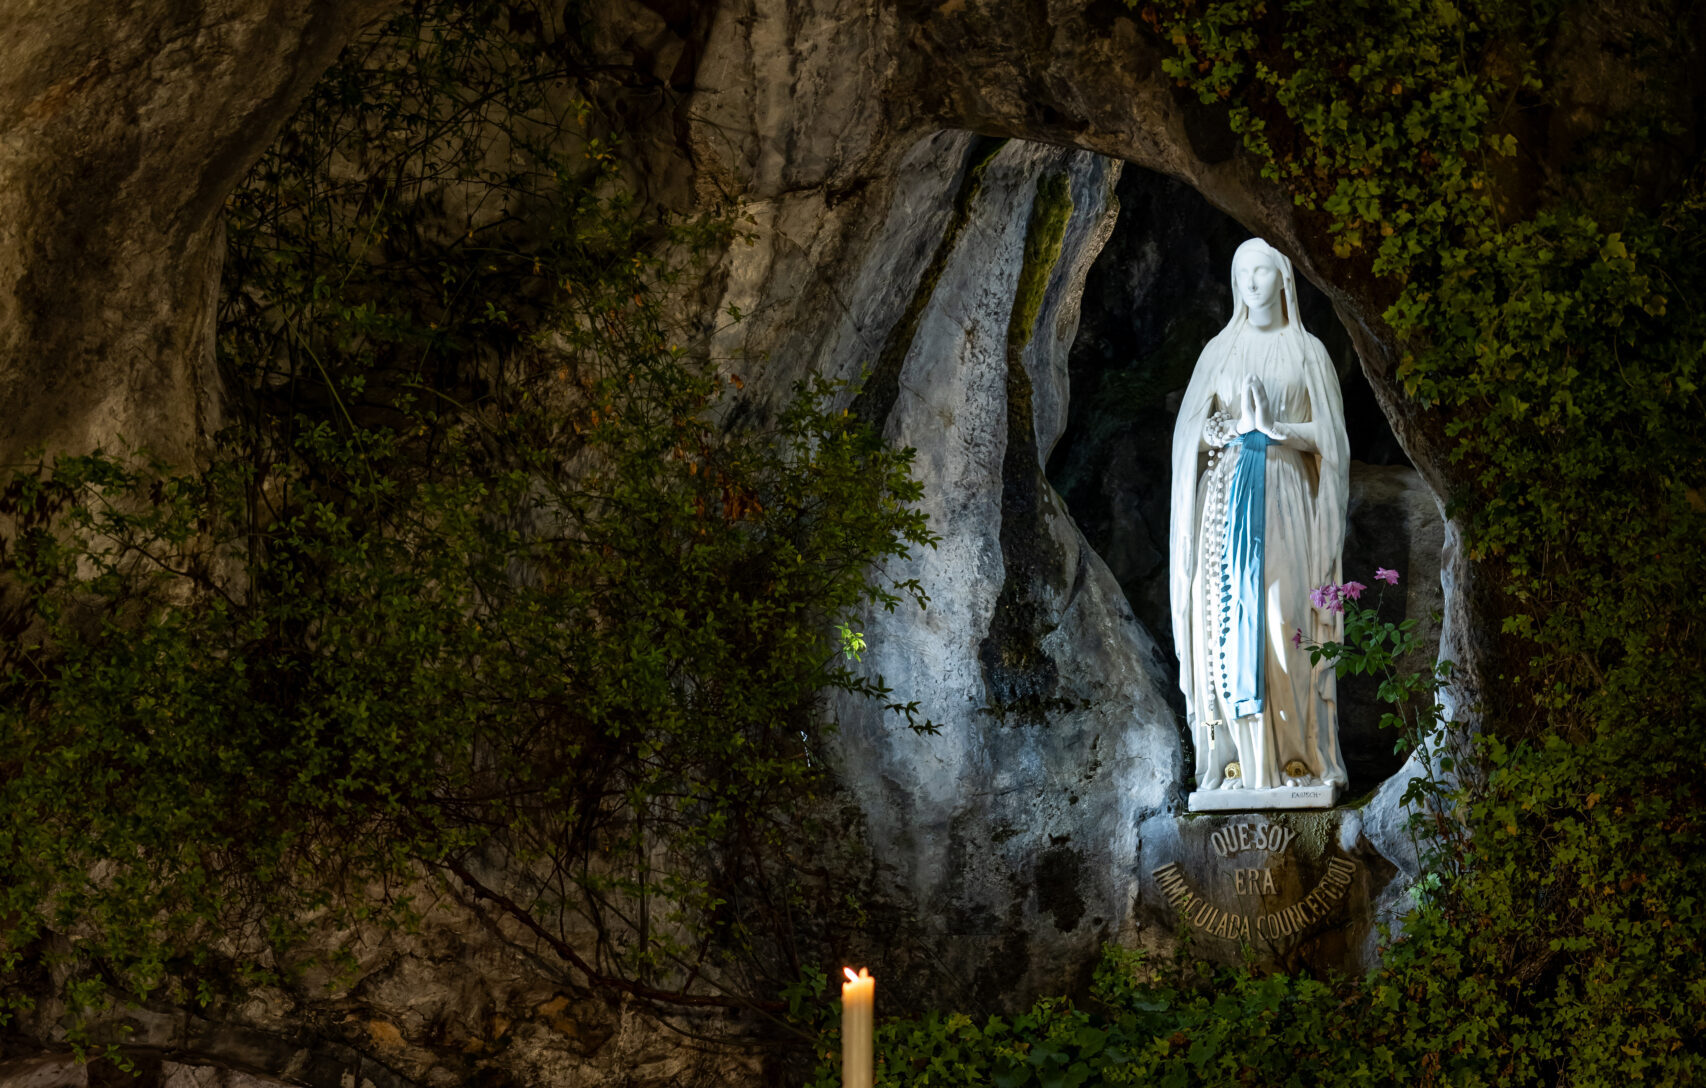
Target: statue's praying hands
1255	413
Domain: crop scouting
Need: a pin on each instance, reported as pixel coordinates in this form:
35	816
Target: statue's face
1257	279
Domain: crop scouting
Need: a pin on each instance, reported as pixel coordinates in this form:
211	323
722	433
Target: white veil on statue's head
1251	249
1327	405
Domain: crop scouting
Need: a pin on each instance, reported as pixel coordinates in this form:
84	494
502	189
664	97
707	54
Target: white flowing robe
1306	496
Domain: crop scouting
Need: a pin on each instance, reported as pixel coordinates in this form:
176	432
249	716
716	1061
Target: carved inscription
1205	916
1254	882
1263	838
1258	843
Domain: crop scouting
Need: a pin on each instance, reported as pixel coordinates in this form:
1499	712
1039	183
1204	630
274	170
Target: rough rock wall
1007	829
122	129
66	1072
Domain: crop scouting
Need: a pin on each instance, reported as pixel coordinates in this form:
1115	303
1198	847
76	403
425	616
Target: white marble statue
1258	520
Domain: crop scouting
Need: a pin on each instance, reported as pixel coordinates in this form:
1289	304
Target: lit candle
858	1006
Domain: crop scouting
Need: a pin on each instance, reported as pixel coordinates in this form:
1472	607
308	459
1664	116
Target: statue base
1246	800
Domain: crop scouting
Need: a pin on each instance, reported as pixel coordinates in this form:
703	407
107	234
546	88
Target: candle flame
851	977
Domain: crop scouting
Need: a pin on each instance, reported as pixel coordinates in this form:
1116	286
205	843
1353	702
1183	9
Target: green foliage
478	585
1174	1027
1412	688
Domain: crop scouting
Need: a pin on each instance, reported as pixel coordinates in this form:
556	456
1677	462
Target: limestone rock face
67	1072
1025	833
1009	829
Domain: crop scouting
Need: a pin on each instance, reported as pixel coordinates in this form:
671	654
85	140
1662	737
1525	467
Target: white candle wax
858	1010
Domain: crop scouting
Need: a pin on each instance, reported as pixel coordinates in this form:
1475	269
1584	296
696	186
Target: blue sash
1242	600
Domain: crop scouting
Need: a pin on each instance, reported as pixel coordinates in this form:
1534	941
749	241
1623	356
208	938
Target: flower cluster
1333	597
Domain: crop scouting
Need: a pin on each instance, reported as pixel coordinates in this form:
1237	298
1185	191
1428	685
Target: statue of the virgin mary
1258	521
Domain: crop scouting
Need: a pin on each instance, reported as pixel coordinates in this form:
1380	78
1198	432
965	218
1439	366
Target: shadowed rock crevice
1020	676
1060	869
877	397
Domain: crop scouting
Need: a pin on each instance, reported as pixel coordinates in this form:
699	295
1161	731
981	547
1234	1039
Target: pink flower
1353	590
1334	597
1390	577
1297	637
